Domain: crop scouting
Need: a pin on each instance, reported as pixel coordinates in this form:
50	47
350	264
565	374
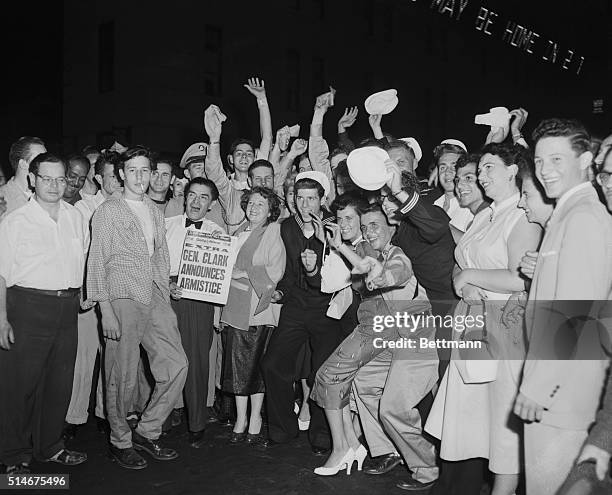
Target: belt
55	293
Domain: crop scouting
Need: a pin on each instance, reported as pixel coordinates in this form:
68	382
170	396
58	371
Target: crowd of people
515	233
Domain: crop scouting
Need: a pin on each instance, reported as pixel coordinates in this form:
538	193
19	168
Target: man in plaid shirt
128	275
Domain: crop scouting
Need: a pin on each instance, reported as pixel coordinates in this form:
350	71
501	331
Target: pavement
217	468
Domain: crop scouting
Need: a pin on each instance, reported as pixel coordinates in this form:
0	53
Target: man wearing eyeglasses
42	259
76	175
604	179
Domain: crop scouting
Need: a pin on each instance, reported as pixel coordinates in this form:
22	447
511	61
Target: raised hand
348	119
520	117
283	135
298	147
394	176
256	88
326	100
213	122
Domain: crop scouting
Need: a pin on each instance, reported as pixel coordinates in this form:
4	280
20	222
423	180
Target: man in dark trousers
303	316
42	259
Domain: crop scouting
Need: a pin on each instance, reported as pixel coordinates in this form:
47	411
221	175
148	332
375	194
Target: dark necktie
198	225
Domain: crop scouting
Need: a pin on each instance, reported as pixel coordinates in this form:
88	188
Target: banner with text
206	266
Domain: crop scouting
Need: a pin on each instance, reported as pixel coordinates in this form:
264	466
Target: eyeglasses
46	180
603	178
467	179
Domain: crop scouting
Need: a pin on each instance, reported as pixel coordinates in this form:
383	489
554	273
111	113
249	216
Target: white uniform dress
476	419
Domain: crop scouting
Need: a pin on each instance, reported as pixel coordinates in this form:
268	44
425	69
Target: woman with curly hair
247	317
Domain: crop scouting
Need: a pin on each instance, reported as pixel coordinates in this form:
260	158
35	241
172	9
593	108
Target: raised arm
318	151
347	120
257	88
213	164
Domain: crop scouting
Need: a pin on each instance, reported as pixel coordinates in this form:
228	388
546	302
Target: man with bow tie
195	318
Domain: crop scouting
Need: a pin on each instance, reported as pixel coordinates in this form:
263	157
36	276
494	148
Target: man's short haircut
579	137
269	195
111	157
348	200
309	184
90	150
441	149
20	150
133	152
467	159
397	143
214	192
45	158
260	163
373	208
240	141
162	158
75	158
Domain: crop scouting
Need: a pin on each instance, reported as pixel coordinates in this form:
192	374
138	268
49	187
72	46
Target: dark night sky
33	55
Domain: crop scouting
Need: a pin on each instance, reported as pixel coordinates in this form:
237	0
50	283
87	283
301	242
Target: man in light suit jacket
559	397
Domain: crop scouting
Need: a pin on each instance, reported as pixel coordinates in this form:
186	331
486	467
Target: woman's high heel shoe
360	454
346	461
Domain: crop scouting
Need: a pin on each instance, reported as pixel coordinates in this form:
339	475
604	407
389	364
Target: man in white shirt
16	192
42	259
195	318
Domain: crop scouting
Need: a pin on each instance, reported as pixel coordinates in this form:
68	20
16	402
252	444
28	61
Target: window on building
106	57
213	60
293	80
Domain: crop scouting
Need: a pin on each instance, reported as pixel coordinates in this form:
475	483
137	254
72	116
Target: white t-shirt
141	210
459	217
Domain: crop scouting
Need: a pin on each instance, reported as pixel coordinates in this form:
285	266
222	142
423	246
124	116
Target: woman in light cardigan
248	317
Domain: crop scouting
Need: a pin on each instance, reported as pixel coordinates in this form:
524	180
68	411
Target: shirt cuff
410	204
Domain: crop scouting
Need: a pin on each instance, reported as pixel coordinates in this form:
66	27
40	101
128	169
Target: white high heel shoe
346	461
360	454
